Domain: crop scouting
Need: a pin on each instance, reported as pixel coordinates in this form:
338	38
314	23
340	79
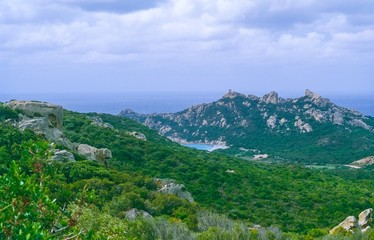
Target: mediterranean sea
157	102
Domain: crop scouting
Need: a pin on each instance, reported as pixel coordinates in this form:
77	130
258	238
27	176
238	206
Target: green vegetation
40	199
242	122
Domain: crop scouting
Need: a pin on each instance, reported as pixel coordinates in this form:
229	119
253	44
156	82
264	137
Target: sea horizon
161	102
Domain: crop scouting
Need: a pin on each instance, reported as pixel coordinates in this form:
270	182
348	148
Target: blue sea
158	102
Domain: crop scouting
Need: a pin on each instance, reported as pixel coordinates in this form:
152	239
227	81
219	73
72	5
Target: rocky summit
312	126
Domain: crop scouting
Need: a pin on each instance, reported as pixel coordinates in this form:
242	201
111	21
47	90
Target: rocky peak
271	97
232	94
317	99
311	94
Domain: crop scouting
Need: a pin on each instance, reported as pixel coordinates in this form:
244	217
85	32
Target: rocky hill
307	129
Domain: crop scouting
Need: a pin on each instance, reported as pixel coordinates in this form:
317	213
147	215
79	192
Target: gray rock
302	126
271	97
169	186
41	126
95	154
232	94
63	156
365	218
349	224
53	113
134	213
139	135
97	121
272	122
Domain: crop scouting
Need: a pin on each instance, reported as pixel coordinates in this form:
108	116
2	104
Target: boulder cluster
351	224
46	119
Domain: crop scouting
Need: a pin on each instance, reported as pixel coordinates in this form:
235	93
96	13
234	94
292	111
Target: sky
251	46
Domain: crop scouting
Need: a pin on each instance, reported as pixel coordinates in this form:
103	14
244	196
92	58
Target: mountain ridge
251	122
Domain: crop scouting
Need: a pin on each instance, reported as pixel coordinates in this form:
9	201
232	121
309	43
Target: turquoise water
200	146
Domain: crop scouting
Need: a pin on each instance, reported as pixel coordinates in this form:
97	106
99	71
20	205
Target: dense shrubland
40	199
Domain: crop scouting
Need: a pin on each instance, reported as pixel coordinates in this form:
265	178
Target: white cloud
179	29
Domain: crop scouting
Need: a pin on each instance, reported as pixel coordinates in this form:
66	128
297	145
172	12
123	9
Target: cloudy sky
187	45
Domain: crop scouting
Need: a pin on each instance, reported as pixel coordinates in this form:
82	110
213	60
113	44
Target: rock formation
95	154
63	156
53	113
365	161
271	97
169	186
97	121
134	213
364	219
350	224
138	135
46	119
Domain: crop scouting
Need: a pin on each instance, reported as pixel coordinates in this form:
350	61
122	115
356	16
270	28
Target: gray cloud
200	34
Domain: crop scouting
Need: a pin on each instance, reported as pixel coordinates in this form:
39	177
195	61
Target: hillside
310	129
100	192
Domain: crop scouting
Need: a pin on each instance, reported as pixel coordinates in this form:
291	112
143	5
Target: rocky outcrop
97	121
169	186
271	97
134	213
41	126
302	126
351	224
364	219
232	94
363	162
46	120
95	154
63	156
53	113
138	135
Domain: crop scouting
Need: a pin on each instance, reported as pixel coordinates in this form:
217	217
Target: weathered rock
97	121
134	213
311	94
138	135
272	122
303	127
349	224
232	94
271	97
63	156
53	113
365	218
365	161
168	186
95	154
41	126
